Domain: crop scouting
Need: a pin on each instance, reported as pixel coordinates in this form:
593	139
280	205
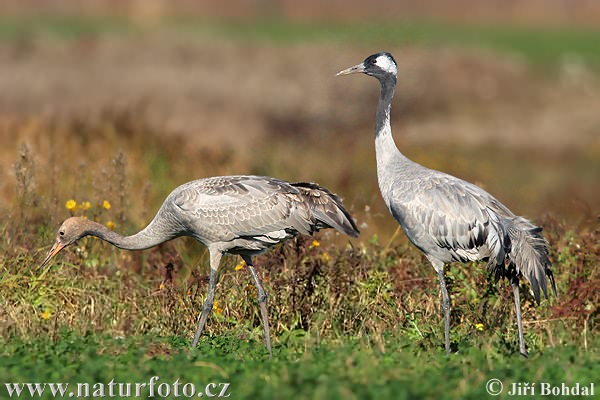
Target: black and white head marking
380	63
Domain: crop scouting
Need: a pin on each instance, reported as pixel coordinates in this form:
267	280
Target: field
114	114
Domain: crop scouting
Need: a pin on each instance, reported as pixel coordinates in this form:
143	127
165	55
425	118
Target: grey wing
452	219
226	208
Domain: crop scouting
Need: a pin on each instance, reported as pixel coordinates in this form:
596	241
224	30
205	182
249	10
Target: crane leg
445	307
262	302
215	259
515	287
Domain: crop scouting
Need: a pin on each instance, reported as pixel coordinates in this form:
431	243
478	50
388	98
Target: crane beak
58	246
352	70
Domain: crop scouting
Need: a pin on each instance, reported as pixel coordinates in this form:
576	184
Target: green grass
354	369
537	45
363	331
61	27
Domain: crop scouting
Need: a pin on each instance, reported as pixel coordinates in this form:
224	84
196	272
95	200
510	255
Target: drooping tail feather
327	208
528	254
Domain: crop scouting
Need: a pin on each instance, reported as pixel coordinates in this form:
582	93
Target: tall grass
324	288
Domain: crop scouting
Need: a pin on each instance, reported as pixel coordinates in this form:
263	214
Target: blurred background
107	106
125	100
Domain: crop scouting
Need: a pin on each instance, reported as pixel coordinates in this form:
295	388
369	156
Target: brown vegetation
128	120
541	12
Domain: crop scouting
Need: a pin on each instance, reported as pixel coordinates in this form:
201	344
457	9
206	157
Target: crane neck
386	95
385	145
157	232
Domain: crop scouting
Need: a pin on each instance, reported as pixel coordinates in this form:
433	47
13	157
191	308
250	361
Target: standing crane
243	215
449	219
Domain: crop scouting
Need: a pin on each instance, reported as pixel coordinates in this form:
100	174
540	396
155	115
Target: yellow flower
85	205
479	327
315	243
240	266
106	204
71	205
325	257
216	307
46	314
110	225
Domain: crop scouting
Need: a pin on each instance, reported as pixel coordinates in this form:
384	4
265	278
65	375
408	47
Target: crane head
379	65
69	232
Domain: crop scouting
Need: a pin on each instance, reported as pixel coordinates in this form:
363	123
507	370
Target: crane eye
374	61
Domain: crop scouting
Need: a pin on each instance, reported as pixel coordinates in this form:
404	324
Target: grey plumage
450	219
243	215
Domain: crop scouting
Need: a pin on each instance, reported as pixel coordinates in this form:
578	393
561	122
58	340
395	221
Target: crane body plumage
244	215
447	218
